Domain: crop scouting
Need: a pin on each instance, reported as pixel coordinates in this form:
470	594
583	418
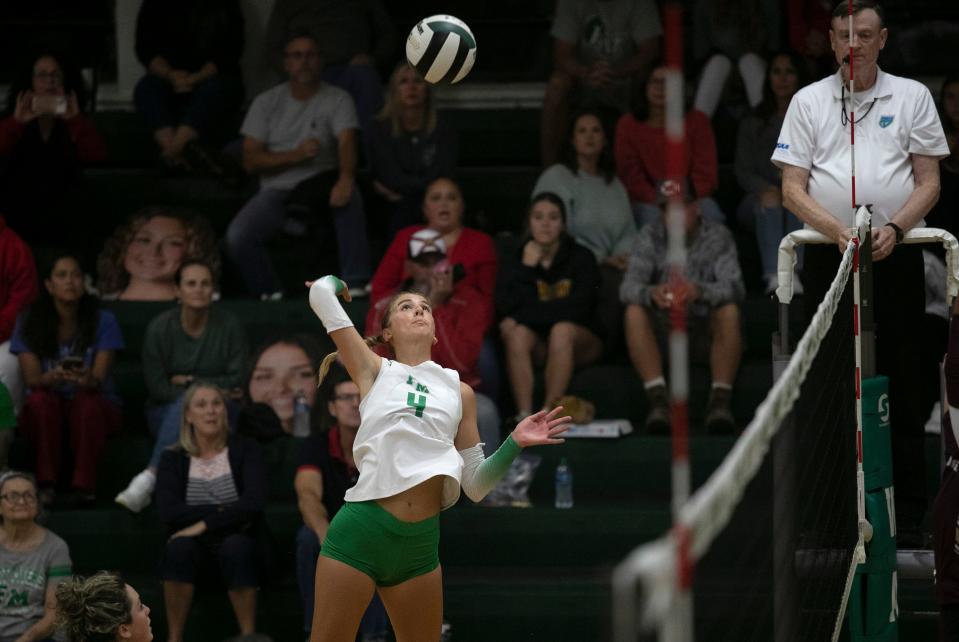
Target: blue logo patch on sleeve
782	146
886	120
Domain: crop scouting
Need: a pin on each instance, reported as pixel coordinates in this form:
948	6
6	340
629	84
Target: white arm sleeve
480	475
325	304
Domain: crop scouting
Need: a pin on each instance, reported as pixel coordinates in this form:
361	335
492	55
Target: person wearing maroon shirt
945	509
45	140
640	151
325	472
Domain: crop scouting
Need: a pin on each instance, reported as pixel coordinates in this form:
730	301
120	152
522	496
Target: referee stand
873	611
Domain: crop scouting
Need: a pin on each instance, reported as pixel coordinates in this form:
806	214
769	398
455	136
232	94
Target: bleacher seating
510	574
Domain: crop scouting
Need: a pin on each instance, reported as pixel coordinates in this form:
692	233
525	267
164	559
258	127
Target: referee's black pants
899	298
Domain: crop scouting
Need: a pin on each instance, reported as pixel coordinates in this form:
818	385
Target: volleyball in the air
442	48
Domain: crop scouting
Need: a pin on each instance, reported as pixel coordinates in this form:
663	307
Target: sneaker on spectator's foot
579	409
719	418
657	419
138	494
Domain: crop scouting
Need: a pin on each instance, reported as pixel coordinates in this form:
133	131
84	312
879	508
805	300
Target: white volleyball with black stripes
442	48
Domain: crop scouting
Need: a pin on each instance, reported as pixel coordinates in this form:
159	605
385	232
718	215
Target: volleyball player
417	445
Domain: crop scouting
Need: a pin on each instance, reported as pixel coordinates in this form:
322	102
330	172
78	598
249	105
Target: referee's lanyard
845	114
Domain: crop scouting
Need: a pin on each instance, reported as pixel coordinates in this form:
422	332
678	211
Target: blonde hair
391	109
92	609
187	438
371	342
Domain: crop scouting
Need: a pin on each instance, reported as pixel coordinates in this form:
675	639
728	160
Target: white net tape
710	508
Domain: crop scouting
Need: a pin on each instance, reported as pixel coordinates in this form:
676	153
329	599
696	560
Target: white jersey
409	421
899	118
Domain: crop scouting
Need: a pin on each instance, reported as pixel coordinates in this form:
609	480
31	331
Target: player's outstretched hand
541	428
345	292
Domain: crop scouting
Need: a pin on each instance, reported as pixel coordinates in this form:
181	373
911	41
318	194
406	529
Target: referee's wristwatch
899	233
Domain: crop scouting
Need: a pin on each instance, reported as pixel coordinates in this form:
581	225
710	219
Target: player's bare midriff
416	503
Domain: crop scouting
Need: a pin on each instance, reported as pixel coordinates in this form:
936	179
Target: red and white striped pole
681	622
857	297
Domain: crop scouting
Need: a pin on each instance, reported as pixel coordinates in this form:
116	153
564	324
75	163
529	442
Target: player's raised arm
361	362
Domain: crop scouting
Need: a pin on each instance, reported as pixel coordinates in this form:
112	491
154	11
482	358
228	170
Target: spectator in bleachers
598	213
284	368
45	140
103	608
713	291
195	341
18	287
33	562
300	138
324	473
945	213
546	296
66	343
762	208
599	46
641	153
192	91
728	32
354	38
455	267
807	22
140	259
411	145
211	490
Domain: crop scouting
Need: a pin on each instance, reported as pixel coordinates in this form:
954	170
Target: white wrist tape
325	304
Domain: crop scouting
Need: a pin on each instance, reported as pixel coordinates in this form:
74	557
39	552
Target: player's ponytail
371	343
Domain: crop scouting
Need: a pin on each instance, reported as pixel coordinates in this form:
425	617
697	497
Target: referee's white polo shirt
902	121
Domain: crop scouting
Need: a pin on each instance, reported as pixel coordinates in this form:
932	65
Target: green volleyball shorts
367	537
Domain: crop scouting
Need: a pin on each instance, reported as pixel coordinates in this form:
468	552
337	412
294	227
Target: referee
899	141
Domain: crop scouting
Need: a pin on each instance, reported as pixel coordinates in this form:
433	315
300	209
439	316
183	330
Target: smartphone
55	105
71	363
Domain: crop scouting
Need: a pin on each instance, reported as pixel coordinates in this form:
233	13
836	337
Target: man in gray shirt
300	138
714	289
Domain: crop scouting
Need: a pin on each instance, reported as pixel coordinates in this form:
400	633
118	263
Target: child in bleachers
195	341
411	145
140	260
546	296
66	343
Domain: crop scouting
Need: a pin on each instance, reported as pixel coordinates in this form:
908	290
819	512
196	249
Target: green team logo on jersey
414	400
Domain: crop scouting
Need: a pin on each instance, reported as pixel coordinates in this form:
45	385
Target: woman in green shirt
194	341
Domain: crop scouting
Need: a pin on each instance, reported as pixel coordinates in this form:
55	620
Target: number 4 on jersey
418	402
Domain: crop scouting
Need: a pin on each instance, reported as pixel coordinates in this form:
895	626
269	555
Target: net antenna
679	626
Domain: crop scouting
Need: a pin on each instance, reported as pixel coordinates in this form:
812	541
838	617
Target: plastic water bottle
301	416
564	485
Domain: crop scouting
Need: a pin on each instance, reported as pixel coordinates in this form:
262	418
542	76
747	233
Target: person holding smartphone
65	344
45	140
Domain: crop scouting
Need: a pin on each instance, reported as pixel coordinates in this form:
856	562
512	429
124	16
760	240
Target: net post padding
709	509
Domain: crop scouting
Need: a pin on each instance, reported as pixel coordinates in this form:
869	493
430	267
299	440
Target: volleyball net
767	547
